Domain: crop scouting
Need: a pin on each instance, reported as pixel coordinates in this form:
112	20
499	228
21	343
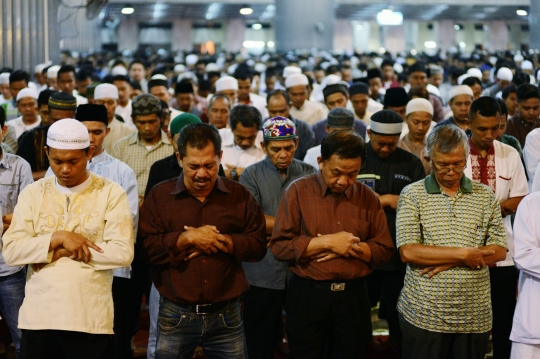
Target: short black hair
83	74
276	93
504	108
527	91
198	135
345	144
43	98
485	106
508	90
135	85
248	116
2	117
19	75
65	69
387	63
137	61
164	105
471	81
121	78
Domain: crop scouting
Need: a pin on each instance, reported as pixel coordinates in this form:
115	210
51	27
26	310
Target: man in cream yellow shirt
72	229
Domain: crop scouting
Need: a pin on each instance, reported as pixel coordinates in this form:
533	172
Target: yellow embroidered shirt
67	294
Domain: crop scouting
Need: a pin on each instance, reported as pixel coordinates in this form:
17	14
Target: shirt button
339	223
204	260
205	280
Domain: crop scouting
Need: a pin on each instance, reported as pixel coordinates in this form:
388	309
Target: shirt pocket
399	182
503	186
360	229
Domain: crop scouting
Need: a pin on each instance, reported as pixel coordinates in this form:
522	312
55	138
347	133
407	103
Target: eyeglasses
447	169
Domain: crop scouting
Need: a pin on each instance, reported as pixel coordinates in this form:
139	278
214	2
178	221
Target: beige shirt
67	294
419	151
118	131
310	112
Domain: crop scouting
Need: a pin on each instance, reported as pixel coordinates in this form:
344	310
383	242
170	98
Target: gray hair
445	139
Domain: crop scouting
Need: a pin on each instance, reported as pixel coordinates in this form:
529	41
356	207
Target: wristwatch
234	174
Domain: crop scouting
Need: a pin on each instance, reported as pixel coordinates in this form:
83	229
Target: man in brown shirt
333	231
197	230
528	111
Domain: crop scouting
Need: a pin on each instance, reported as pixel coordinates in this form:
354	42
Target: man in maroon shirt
197	230
333	231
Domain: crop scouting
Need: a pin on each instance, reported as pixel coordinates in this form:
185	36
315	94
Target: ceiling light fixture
522	12
389	17
430	44
246	10
256	26
128	10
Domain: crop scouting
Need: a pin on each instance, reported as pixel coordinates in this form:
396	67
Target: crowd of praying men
214	167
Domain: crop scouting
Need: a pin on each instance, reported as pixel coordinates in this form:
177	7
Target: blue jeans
11	299
180	331
153	309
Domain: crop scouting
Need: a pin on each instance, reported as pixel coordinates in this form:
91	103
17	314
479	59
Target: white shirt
373	106
81	100
311	156
125	113
257	101
234	156
405	131
510	182
117	171
526	326
310	112
531	154
118	131
20	127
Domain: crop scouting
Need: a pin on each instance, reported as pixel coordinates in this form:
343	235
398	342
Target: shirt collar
474	150
325	190
100	158
433	187
3	162
135	139
181	187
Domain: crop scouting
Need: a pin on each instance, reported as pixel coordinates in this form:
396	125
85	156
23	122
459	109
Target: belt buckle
201	307
337	287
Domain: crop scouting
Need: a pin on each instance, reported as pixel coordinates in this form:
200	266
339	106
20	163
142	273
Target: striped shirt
457	300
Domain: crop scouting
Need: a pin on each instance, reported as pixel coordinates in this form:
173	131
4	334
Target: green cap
181	121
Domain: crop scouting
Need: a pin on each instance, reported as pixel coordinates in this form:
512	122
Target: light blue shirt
15	175
117	171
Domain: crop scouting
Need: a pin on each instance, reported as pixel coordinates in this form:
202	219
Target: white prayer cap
419	105
105	91
474	72
493	60
178	69
398	67
460	90
526	65
518	58
159	77
504	73
39	68
119	70
378	61
296	80
211	67
332	80
289	70
52	72
191	59
68	134
27	92
324	65
187	76
260	68
461	78
4	78
226	83
231	69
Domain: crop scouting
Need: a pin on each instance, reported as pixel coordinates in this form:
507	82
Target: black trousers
503	282
122	292
322	323
262	320
423	344
61	344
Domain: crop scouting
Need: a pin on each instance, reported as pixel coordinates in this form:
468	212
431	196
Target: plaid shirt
133	152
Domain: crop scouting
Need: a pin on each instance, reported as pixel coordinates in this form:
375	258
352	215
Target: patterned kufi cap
279	128
62	101
145	104
68	134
